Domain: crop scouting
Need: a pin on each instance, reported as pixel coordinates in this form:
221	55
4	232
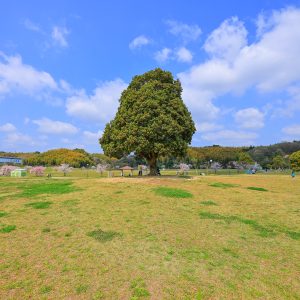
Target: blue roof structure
10	160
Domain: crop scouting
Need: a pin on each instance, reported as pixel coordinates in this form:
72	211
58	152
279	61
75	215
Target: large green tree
295	160
151	120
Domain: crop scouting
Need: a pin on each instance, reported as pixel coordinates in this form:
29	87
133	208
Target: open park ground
206	237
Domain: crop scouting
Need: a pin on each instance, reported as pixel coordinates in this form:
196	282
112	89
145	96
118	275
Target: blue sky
63	65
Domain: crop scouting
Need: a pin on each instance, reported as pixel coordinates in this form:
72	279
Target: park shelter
18	173
126	168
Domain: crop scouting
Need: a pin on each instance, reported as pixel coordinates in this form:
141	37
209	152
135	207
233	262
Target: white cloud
230	137
139	41
270	64
8	127
208	126
249	118
101	106
59	36
293	130
92	137
17	76
32	26
291	106
185	31
227	40
55	127
163	55
184	55
18	141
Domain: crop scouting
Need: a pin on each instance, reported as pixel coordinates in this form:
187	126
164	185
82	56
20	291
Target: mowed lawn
210	237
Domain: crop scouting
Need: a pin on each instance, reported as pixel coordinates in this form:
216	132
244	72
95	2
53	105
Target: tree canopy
151	120
295	160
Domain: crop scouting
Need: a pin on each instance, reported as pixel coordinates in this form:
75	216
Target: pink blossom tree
37	171
6	170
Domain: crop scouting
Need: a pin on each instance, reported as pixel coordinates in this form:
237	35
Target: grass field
209	237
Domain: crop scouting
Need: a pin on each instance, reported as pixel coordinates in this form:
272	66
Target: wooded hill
275	155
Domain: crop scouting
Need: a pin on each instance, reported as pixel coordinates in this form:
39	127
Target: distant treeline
272	156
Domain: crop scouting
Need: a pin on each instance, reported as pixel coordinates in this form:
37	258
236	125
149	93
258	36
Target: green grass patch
82	289
47	187
172	192
3	214
293	234
230	252
254	188
223	185
39	205
7	228
103	236
263	231
46	230
46	289
208	203
69	203
139	290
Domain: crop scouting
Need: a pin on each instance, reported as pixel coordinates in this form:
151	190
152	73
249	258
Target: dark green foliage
47	187
223	185
103	236
39	205
3	214
208	202
7	228
257	188
172	192
151	121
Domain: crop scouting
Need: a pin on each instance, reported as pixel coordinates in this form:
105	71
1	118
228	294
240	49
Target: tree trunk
152	166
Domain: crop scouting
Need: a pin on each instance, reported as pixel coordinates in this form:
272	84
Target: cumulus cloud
92	137
249	118
59	36
16	141
270	64
208	127
100	106
7	127
139	41
186	32
48	126
163	55
293	130
184	55
17	76
227	40
230	137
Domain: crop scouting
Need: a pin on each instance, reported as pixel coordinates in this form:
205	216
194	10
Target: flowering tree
184	168
6	170
215	166
65	168
37	171
101	168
